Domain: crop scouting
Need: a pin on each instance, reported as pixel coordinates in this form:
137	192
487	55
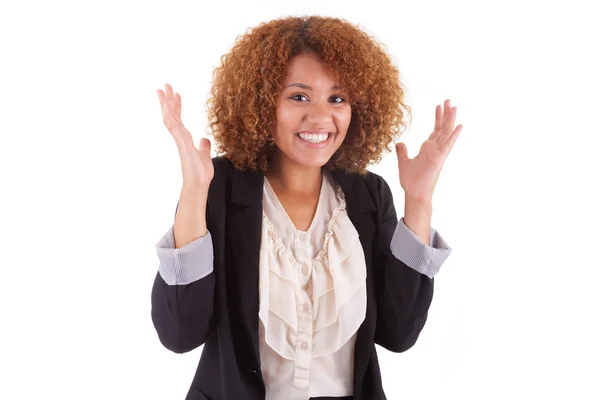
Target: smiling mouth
312	138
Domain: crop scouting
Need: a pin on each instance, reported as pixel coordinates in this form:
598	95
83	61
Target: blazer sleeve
404	277
407	247
183	292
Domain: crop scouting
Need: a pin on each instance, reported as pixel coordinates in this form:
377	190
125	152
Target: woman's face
312	114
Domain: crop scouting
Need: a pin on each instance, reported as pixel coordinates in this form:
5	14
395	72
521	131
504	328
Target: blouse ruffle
336	288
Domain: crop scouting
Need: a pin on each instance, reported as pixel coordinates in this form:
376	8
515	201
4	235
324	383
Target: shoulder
366	192
380	191
374	179
224	170
222	164
375	183
230	183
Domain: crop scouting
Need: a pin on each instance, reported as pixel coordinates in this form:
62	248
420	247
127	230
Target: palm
197	165
419	175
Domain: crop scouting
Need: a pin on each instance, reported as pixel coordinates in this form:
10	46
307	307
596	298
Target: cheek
343	118
286	117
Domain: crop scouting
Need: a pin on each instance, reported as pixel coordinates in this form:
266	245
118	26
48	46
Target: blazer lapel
244	222
360	206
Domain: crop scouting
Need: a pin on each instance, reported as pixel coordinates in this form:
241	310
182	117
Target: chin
305	160
315	163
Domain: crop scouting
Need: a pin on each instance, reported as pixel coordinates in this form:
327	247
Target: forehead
309	70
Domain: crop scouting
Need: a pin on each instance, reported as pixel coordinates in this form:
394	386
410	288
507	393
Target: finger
446	116
170	100
449	127
451	120
449	143
438	118
437	128
204	146
401	151
177	105
168	90
162	100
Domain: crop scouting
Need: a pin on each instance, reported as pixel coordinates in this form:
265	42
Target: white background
91	178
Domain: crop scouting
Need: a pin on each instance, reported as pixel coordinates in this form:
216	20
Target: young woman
286	259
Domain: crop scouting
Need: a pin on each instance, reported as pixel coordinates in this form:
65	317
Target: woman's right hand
196	165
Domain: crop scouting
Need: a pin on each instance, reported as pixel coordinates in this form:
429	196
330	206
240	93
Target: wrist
418	203
417	217
195	188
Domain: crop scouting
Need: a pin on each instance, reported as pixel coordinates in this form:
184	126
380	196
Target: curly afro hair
242	102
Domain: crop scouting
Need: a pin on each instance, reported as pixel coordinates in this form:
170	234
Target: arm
404	277
183	290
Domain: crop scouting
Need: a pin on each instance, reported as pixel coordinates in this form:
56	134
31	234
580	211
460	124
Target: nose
319	114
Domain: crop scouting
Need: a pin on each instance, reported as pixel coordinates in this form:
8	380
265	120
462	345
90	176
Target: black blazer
221	309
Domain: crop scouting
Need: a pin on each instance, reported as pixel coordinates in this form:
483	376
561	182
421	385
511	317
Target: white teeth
314	138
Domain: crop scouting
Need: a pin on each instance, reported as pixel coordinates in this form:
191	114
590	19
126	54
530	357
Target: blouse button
304	270
304	346
305	307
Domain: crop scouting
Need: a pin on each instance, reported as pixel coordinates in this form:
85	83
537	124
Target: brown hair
242	102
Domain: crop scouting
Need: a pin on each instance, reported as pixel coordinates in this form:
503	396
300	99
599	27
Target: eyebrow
303	86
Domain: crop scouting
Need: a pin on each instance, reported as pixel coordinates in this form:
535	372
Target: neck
293	178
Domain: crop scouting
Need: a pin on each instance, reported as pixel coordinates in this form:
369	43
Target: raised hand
196	164
418	176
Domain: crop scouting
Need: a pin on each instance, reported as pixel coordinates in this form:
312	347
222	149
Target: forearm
417	217
190	221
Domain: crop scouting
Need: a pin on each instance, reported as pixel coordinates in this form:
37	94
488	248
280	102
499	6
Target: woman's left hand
418	176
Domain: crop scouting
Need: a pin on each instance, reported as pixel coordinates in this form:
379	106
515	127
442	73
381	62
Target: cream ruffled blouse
313	298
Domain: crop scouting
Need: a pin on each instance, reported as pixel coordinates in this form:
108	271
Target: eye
297	95
341	99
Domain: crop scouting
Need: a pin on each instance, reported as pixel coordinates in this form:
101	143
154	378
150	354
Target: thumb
204	146
401	151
